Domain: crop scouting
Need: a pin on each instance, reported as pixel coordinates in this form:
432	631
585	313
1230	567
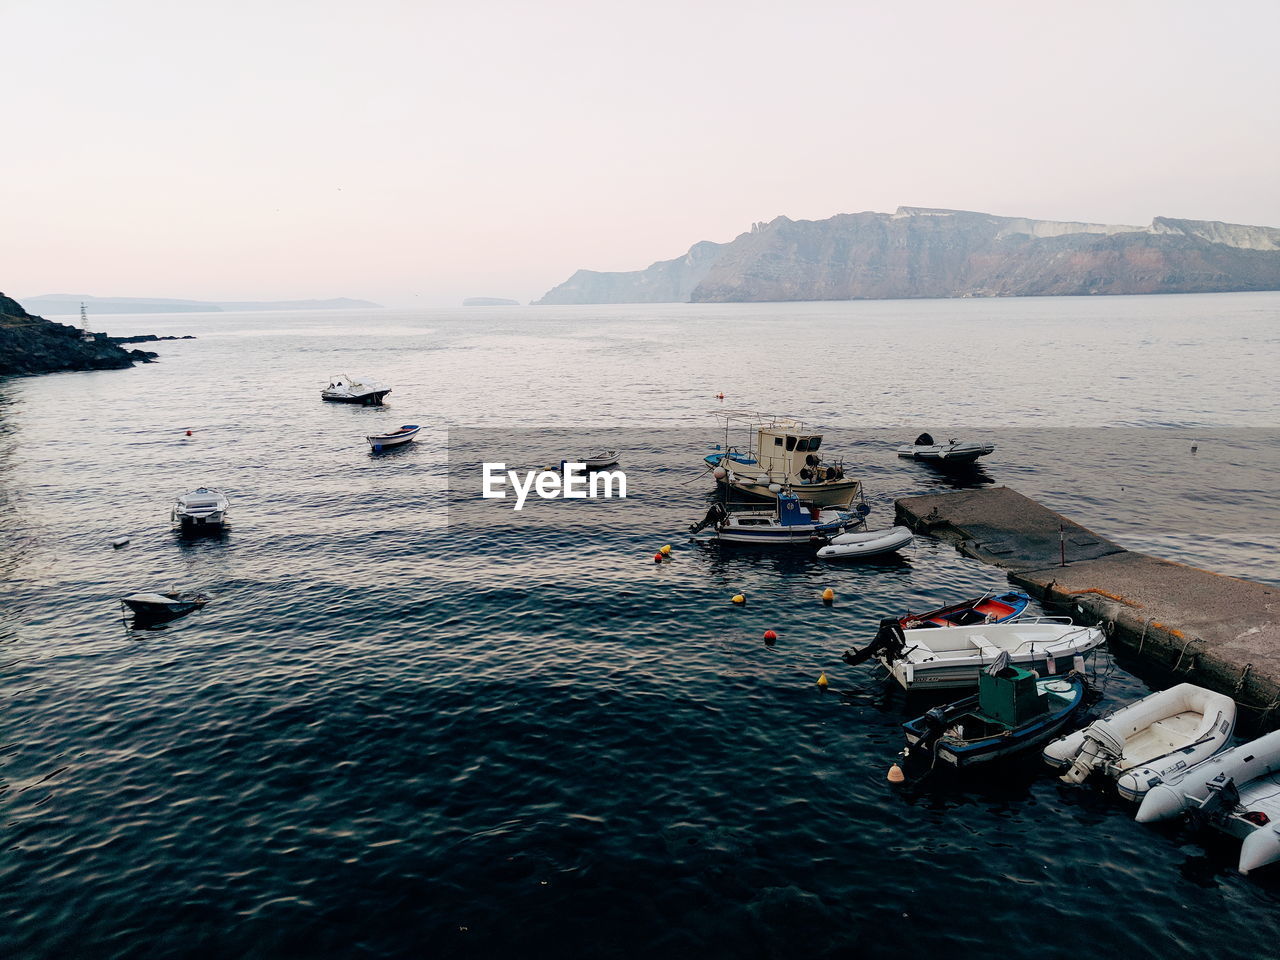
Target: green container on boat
1010	697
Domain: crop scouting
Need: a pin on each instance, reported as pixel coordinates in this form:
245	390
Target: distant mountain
69	304
489	302
924	252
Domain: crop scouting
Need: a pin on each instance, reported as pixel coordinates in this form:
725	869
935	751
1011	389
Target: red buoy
770	635
657	558
188	433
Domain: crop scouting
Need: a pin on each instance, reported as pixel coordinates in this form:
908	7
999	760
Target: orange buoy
896	775
666	550
719	396
822	680
828	595
739	599
770	636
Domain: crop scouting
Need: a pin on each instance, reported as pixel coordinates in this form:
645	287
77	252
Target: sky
415	153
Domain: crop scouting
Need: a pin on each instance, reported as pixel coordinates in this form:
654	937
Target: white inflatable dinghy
1237	791
866	543
1142	744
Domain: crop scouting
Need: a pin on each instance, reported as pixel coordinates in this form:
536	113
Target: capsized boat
395	438
1141	744
989	608
780	453
345	389
163	606
202	507
787	521
1014	710
951	452
942	659
861	544
1237	791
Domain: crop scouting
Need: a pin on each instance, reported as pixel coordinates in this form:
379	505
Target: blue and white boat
1014	710
395	438
787	521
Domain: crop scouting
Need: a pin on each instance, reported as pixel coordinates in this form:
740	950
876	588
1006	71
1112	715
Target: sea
413	721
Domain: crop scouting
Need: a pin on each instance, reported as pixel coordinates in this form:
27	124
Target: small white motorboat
1141	744
955	656
787	521
599	460
202	507
163	606
860	544
344	389
951	452
1237	791
395	438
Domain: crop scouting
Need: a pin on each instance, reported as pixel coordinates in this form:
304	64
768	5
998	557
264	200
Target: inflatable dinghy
951	452
1238	792
866	543
1142	744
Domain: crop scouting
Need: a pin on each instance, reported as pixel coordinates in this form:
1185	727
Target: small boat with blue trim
788	521
780	453
1014	710
395	438
989	608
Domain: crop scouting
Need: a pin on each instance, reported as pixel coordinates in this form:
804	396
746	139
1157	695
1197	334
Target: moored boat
395	438
861	544
344	389
989	608
786	522
1237	792
1141	744
200	508
1013	710
780	454
952	452
163	606
954	657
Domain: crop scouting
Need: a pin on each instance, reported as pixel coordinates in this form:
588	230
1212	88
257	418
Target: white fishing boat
779	453
202	507
163	606
597	461
344	389
1237	792
860	544
787	521
1141	744
395	438
952	452
954	656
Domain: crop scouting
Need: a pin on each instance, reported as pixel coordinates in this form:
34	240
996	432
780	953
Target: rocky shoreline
30	344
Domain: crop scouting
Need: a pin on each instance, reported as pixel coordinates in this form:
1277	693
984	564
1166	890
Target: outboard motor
1100	745
889	640
919	757
924	440
716	514
1222	800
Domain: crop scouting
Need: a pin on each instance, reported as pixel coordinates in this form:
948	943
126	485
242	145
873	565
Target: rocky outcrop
31	344
927	252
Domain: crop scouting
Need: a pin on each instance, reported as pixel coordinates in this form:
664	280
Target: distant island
489	302
67	304
926	252
31	344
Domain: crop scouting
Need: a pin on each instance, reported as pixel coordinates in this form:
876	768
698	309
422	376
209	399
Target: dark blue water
411	726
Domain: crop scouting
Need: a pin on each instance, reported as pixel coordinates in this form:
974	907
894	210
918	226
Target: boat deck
1162	737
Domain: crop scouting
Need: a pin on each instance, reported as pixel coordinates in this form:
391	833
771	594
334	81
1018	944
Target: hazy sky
420	152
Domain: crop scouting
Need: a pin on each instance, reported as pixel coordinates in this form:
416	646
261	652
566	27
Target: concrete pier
1220	632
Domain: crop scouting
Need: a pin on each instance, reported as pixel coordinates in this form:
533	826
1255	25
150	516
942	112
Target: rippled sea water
413	723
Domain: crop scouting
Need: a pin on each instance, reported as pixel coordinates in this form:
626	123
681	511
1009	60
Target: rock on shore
31	344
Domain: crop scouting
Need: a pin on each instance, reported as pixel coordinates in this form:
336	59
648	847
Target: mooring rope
1190	641
1143	639
1244	675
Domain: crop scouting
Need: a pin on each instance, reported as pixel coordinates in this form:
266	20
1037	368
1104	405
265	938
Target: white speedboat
202	507
787	522
951	452
1237	791
1141	744
955	656
780	453
163	606
344	389
395	438
860	544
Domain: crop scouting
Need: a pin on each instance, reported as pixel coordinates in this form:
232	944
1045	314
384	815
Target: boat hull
872	543
371	399
989	608
404	435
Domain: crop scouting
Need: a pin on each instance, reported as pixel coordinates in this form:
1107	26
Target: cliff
926	252
31	344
